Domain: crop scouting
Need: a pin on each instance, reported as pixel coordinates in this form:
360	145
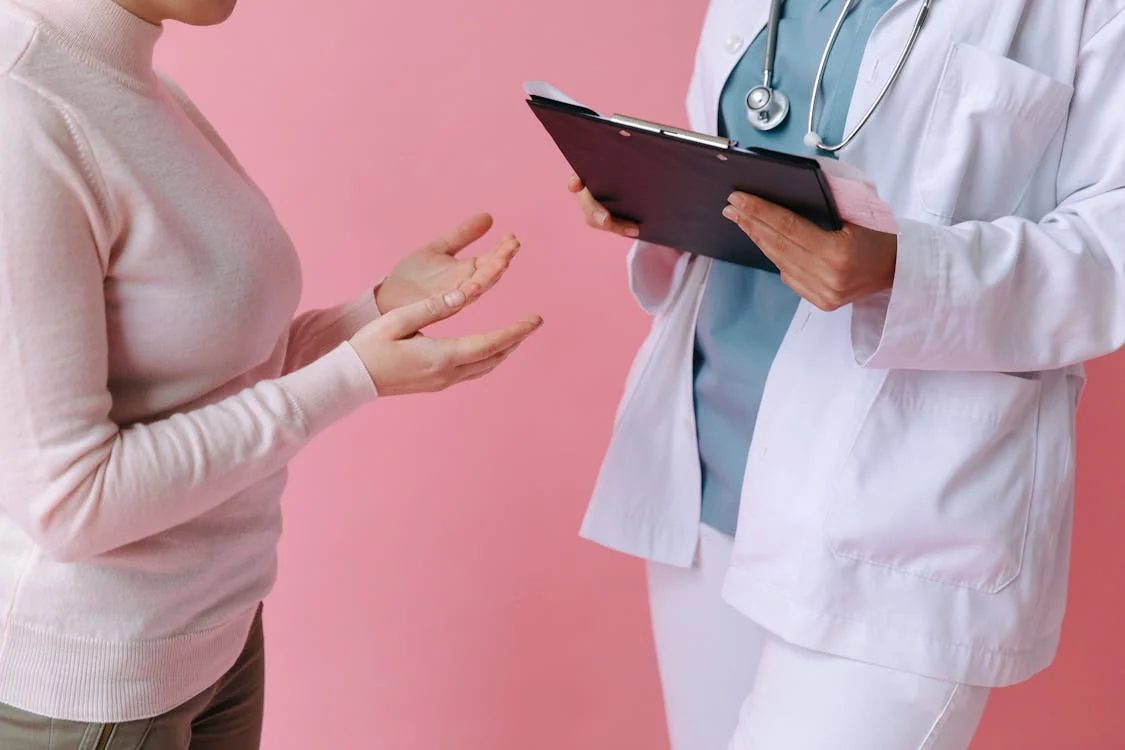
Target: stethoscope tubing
812	139
771	43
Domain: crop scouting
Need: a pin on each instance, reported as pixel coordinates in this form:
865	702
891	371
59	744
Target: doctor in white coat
904	511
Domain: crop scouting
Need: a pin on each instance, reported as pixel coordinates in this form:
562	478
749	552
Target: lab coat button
734	44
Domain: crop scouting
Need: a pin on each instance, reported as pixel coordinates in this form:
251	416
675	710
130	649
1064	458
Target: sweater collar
104	33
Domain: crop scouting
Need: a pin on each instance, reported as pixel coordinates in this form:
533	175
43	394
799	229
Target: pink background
433	591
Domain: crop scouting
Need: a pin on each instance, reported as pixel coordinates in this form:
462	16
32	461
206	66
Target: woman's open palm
436	268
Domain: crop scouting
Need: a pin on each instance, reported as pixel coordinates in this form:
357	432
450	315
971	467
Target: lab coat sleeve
655	275
1014	295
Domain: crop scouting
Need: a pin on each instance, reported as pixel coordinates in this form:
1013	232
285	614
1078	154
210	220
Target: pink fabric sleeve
316	332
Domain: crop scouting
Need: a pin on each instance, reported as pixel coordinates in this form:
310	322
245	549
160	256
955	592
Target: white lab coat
909	488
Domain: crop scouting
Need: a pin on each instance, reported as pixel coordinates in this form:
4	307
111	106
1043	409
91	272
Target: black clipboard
674	183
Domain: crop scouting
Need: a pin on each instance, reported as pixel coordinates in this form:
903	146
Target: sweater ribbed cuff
330	388
359	312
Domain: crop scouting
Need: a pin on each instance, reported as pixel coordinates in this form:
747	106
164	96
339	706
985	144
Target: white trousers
729	685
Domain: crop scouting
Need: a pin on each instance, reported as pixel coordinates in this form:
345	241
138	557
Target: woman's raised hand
439	267
401	362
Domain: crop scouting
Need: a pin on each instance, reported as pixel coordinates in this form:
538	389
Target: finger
820	270
471	230
599	218
506	249
485	366
481	346
406	321
782	220
488	269
575	185
786	254
795	264
501	256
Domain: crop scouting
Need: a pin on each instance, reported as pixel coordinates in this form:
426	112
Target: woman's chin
207	12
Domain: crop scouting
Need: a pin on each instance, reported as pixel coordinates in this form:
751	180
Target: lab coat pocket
938	481
990	126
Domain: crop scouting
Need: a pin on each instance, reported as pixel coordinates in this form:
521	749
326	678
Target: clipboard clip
684	135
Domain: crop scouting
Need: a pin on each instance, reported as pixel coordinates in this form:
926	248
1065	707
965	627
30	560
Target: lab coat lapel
722	48
887	41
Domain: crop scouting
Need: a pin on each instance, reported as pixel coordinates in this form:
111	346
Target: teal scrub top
746	312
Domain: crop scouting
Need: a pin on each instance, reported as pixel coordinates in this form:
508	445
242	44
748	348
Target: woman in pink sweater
154	384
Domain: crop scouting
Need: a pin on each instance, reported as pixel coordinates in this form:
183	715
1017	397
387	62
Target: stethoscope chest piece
766	107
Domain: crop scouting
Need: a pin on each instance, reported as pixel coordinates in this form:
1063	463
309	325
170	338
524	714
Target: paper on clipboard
545	90
856	197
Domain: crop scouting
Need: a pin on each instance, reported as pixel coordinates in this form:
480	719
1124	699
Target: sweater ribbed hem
73	678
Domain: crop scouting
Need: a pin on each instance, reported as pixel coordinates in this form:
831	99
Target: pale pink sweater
153	383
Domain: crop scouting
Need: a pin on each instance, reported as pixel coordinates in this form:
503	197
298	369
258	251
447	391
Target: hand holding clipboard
673	183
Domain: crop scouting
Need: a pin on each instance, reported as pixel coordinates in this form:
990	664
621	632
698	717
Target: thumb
408	320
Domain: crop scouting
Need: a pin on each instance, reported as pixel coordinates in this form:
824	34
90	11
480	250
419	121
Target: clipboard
674	183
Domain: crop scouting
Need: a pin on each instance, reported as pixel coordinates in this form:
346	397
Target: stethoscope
768	107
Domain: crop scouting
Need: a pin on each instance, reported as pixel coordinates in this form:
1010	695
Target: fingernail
737	199
730	213
632	232
601	217
454	298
